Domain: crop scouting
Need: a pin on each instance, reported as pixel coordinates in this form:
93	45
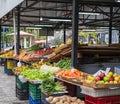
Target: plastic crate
34	101
21	85
102	100
5	70
22	94
34	91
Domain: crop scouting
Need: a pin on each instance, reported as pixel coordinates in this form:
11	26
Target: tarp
22	34
7	5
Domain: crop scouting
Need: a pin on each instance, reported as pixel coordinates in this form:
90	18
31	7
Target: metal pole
0	35
119	36
64	33
18	30
74	33
110	25
14	24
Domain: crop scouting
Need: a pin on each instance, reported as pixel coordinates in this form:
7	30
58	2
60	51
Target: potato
49	99
68	99
82	102
74	103
73	99
56	99
66	103
59	103
78	101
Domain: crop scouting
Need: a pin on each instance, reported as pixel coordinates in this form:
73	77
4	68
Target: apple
97	78
106	79
112	79
115	75
115	82
102	75
106	82
116	79
100	82
111	82
91	78
89	81
110	73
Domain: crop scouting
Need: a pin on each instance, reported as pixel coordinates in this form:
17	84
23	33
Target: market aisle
7	89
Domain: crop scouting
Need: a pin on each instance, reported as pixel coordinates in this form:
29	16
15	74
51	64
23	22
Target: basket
22	94
21	85
99	86
34	91
34	101
102	100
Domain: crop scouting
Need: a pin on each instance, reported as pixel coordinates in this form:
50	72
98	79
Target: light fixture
89	13
33	28
60	20
89	30
44	25
41	19
118	1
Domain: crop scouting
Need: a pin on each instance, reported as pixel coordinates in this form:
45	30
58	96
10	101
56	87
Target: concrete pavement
7	89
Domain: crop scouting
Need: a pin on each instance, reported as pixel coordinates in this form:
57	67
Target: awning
7	5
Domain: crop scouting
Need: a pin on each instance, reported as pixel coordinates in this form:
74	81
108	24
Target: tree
7	38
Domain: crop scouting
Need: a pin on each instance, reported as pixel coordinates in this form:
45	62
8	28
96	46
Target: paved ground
7	89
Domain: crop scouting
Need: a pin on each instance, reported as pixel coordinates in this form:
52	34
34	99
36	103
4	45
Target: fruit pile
109	78
3	52
38	65
18	70
64	100
8	54
70	74
43	51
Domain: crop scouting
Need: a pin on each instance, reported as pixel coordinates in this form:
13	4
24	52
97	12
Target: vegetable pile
34	74
64	64
50	87
64	100
34	48
69	73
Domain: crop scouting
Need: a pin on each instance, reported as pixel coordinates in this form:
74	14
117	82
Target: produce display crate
97	86
99	92
102	100
21	85
5	70
22	94
34	101
45	95
34	91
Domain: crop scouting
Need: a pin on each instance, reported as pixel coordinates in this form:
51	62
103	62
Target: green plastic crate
35	91
21	85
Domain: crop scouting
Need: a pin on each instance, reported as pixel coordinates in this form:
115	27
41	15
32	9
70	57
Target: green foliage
64	64
8	38
49	86
34	48
56	41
